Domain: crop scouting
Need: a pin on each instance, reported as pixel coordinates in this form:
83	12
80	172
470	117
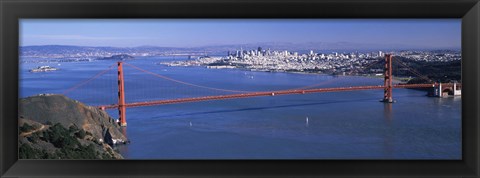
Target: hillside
120	57
436	71
57	127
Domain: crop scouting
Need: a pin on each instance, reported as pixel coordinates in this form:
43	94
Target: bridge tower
387	95
121	96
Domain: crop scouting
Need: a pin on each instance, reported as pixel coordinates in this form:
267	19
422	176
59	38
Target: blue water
341	125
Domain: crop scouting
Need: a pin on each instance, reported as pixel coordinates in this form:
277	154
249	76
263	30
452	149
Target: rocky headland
56	127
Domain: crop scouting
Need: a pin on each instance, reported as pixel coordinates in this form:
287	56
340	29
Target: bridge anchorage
438	89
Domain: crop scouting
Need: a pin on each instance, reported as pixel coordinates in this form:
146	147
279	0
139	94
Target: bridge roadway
269	93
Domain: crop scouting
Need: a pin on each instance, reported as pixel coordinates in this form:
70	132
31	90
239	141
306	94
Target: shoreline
395	79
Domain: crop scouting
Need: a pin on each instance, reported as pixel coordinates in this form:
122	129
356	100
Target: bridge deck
266	93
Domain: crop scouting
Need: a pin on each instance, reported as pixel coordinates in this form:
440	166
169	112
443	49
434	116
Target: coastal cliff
57	127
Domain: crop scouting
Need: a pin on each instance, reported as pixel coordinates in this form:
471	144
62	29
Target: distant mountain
319	46
62	51
59	49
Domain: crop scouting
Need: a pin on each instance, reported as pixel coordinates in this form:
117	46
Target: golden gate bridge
387	87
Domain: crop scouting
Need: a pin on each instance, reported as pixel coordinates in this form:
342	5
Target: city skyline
359	34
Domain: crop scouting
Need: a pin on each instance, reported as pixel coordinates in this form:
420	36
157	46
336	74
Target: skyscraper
241	52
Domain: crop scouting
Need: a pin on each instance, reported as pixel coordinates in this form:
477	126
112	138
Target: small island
120	57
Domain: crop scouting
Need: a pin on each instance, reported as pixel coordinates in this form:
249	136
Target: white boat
43	69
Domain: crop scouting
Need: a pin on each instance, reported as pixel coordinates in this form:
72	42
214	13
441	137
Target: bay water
335	125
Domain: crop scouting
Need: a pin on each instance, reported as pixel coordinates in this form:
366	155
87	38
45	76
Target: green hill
57	127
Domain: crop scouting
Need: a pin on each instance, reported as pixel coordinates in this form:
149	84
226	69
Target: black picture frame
12	10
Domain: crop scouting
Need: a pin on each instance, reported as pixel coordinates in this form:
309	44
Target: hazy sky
415	33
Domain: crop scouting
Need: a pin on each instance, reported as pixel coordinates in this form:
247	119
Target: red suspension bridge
387	86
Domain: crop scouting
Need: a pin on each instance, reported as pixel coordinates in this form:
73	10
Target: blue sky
413	33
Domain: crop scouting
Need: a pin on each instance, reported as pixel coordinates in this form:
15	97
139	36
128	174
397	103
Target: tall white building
241	52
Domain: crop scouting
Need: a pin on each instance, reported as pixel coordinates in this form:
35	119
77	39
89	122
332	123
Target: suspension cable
413	70
315	85
88	80
218	89
367	66
185	83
